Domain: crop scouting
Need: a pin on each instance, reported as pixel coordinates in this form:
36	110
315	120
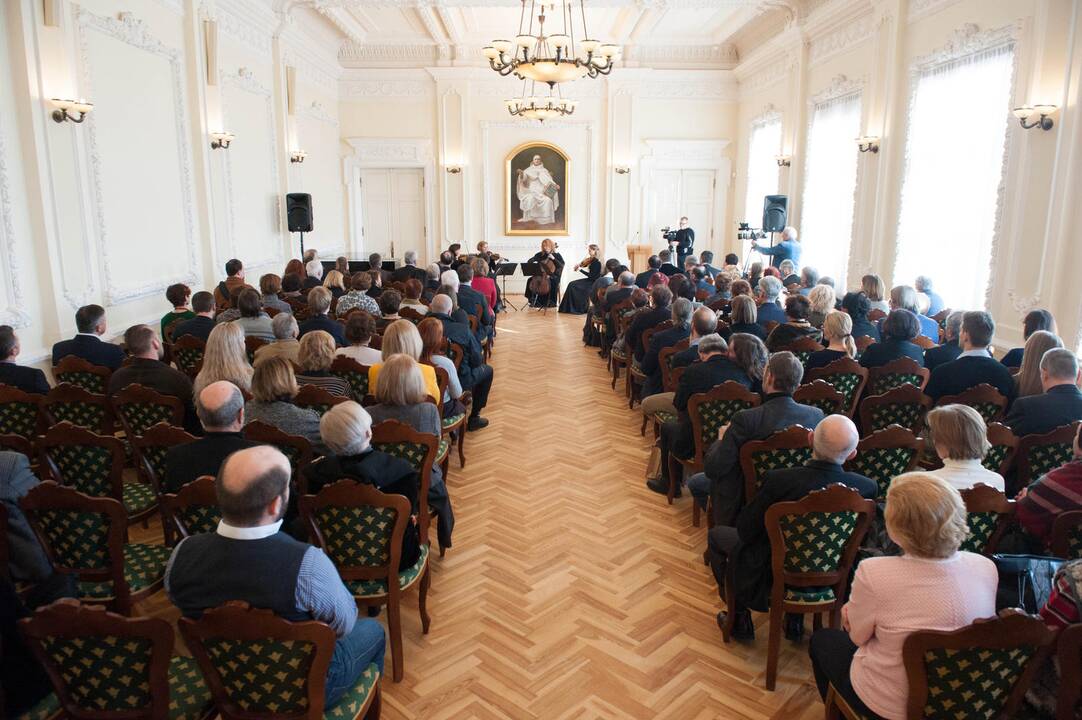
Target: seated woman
358	298
178	296
750	355
291	287
788	274
273	390
822	302
875	290
402	338
412	298
932	586
858	306
253	320
314	357
336	283
1028	380
796	325
899	329
390	300
576	298
1033	321
285	340
359	331
401	395
225	358
742	317
270	285
431	331
960	439
484	283
838	334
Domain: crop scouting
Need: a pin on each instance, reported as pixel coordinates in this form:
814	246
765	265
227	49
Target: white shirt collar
982	352
247	533
90	334
969	464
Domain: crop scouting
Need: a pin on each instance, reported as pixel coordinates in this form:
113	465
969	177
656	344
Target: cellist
553	262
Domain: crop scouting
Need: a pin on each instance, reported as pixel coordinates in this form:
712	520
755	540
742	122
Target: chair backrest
408	313
456	352
886	454
140	408
895	373
1001	455
418	449
171	328
353	373
802	348
244	652
620	315
783	449
978	671
863	342
20	412
649	333
1037	454
101	664
664	358
983	398
904	405
710	410
318	399
193	509
924	342
1067	535
152	447
188	353
71	403
988	513
1069	655
84	461
296	448
821	394
251	344
75	370
875	315
847	377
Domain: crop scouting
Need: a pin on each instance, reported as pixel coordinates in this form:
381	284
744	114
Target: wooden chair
171	328
769	326
251	344
863	342
1067	535
988	514
813	542
1069	655
354	373
84	536
71	403
105	666
193	509
418	449
150	451
885	454
75	370
847	377
620	316
875	315
20	413
94	464
821	394
665	362
635	376
895	373
1037	454
1000	456
188	353
802	348
242	652
983	398
408	313
139	408
318	399
456	424
361	530
786	448
924	342
904	405
296	448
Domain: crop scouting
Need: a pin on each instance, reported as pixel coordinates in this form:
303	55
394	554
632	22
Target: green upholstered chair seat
453	420
808	595
883	383
443	449
619	354
83	414
355	698
138	497
47	708
664	416
994	458
972	683
905	414
814	541
144	565
200	518
377	588
189	697
981	527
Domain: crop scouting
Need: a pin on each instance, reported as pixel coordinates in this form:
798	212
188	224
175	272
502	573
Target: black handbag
1025	581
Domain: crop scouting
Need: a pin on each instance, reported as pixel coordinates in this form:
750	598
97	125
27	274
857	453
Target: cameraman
787	249
681	242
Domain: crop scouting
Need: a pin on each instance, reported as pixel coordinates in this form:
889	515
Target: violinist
576	299
544	290
491	259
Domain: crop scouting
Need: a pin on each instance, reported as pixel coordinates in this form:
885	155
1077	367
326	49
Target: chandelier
533	107
555	58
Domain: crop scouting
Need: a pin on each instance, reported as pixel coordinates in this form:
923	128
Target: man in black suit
375	265
834	441
203	322
27	379
769	290
778	411
87	343
975	365
319	303
950	349
147	369
660	310
625	285
706	257
681	329
313	275
409	271
684	242
1061	402
473	302
643	279
667	268
220	408
703	322
473	373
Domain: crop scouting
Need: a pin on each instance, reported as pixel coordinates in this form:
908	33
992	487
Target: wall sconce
784	160
297	156
1025	112
868	143
453	169
220	140
66	110
622	169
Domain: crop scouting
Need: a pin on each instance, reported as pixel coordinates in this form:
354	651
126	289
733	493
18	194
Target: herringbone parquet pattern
572	591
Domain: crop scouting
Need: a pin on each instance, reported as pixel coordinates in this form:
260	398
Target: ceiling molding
824	47
642	4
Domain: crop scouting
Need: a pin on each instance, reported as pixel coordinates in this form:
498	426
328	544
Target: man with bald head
248	558
220	408
834	441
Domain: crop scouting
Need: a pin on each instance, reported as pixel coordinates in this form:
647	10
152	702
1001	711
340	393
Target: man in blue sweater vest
975	365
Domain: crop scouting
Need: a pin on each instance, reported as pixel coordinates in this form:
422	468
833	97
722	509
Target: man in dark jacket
704	321
660	310
27	379
834	441
474	303
950	349
319	302
203	322
975	365
87	343
473	373
769	290
667	267
147	369
1059	404
643	279
681	329
706	257
220	408
625	285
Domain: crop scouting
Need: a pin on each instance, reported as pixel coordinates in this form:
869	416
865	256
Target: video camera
746	232
669	235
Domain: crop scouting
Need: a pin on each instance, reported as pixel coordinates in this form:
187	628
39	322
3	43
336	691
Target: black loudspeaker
299	212
775	210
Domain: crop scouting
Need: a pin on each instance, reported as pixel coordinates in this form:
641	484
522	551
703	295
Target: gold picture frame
558	164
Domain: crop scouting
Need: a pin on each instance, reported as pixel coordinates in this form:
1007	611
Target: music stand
503	271
529	270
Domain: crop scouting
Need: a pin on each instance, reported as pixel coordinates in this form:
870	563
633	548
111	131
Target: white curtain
954	164
830	183
763	148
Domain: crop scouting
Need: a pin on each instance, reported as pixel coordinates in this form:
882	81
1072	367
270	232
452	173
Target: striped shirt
1055	492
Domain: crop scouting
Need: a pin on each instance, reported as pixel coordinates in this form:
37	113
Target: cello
541	285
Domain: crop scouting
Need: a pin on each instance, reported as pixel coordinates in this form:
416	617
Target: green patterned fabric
19	418
86	468
1045	458
664	416
972	683
155	457
716	413
189	697
619	354
453	420
77	539
144	565
357	536
827	405
1074	543
103	673
199	519
358	382
907	414
91	382
981	527
353	701
82	414
802	355
883	383
882	465
766	460
809	595
141	416
443	449
263	676
845	383
988	410
187	359
138	497
411	452
377	588
814	541
995	457
47	708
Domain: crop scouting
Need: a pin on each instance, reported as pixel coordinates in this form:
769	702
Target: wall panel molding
13	314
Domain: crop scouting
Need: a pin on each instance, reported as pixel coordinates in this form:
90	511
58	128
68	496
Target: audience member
732	263
838	333
202	323
620	291
769	311
314	358
402	338
270	285
755	274
358	298
666	268
1028	380
809	278
903	297
680	330
409	270
1060	402
145	367
319	303
24	378
335	282
380	277
27	561
484	283
220	408
659	311
432	281
899	329
723	283
1056	492
875	290
360	327
273	389
254	322
743	317
458	315
291	286
285	344
796	325
1033	321
706	257
642	280
975	365
858	306
960	439
822	302
431	332
234	271
473	373
704	321
313	275
225	359
231	311
295	266
474	303
309	255
923	285
87	343
412	296
178	296
950	349
787	275
390	301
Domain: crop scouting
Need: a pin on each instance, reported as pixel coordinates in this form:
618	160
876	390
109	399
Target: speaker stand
302	245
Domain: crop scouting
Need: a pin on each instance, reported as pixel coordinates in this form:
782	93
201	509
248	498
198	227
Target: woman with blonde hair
876	291
960	439
336	283
743	316
273	390
314	357
838	334
822	300
225	358
1028	380
932	586
402	337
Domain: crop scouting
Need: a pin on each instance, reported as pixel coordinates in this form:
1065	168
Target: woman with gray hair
285	342
822	304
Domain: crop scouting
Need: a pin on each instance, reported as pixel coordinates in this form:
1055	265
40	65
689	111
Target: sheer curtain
954	164
763	148
830	183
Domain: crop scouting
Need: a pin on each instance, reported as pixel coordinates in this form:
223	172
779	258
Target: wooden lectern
639	255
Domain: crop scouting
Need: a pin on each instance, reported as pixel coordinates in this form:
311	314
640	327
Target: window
950	190
830	183
763	148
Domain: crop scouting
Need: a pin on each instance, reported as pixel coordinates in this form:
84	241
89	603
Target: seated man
203	322
681	329
950	349
87	343
703	322
834	441
721	463
409	270
27	379
660	310
313	275
147	369
1056	492
473	373
617	293
474	303
769	290
1061	402
234	280
249	559
220	408
904	297
706	257
286	330
667	267
319	303
643	279
975	365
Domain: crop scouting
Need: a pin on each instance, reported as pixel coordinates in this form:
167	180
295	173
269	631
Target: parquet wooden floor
572	591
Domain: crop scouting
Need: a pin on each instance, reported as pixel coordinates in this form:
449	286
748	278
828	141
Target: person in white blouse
360	327
960	438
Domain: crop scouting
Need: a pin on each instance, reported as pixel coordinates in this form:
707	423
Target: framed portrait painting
536	189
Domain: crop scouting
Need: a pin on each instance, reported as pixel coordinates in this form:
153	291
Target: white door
392	202
677	193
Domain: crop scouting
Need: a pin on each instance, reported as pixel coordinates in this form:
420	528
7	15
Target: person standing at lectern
684	242
788	248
